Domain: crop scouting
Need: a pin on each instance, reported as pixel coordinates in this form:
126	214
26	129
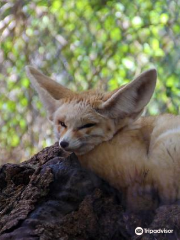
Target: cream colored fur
138	155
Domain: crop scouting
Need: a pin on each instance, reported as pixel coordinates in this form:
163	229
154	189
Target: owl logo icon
138	231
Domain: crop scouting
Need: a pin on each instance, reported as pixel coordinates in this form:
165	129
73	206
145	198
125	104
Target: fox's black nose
64	144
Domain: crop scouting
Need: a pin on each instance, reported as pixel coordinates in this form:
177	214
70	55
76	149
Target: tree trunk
51	196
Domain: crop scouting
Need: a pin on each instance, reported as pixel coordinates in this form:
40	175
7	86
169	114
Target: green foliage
83	44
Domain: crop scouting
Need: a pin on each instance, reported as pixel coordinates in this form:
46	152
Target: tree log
51	196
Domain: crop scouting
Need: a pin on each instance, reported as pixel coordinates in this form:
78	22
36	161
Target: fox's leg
167	187
141	197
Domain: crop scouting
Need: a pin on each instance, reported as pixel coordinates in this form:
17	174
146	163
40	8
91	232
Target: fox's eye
62	124
88	125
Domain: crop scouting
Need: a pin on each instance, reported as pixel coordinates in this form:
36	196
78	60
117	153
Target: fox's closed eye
88	125
62	124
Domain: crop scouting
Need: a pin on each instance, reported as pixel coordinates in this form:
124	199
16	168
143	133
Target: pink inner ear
130	100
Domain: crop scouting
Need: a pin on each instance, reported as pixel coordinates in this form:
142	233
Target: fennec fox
138	155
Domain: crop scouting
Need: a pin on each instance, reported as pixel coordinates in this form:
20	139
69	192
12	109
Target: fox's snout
63	144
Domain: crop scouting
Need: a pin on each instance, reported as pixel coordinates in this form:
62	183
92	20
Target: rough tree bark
51	196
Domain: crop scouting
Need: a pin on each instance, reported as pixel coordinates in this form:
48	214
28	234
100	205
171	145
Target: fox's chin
83	150
78	151
85	147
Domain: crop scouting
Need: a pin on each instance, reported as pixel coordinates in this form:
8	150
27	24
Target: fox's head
83	120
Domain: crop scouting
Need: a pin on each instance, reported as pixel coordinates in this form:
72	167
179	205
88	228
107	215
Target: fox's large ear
130	100
49	91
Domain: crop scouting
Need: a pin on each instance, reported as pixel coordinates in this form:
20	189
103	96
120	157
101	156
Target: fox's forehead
76	112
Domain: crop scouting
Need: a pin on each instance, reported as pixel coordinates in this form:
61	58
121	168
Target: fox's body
145	155
139	156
